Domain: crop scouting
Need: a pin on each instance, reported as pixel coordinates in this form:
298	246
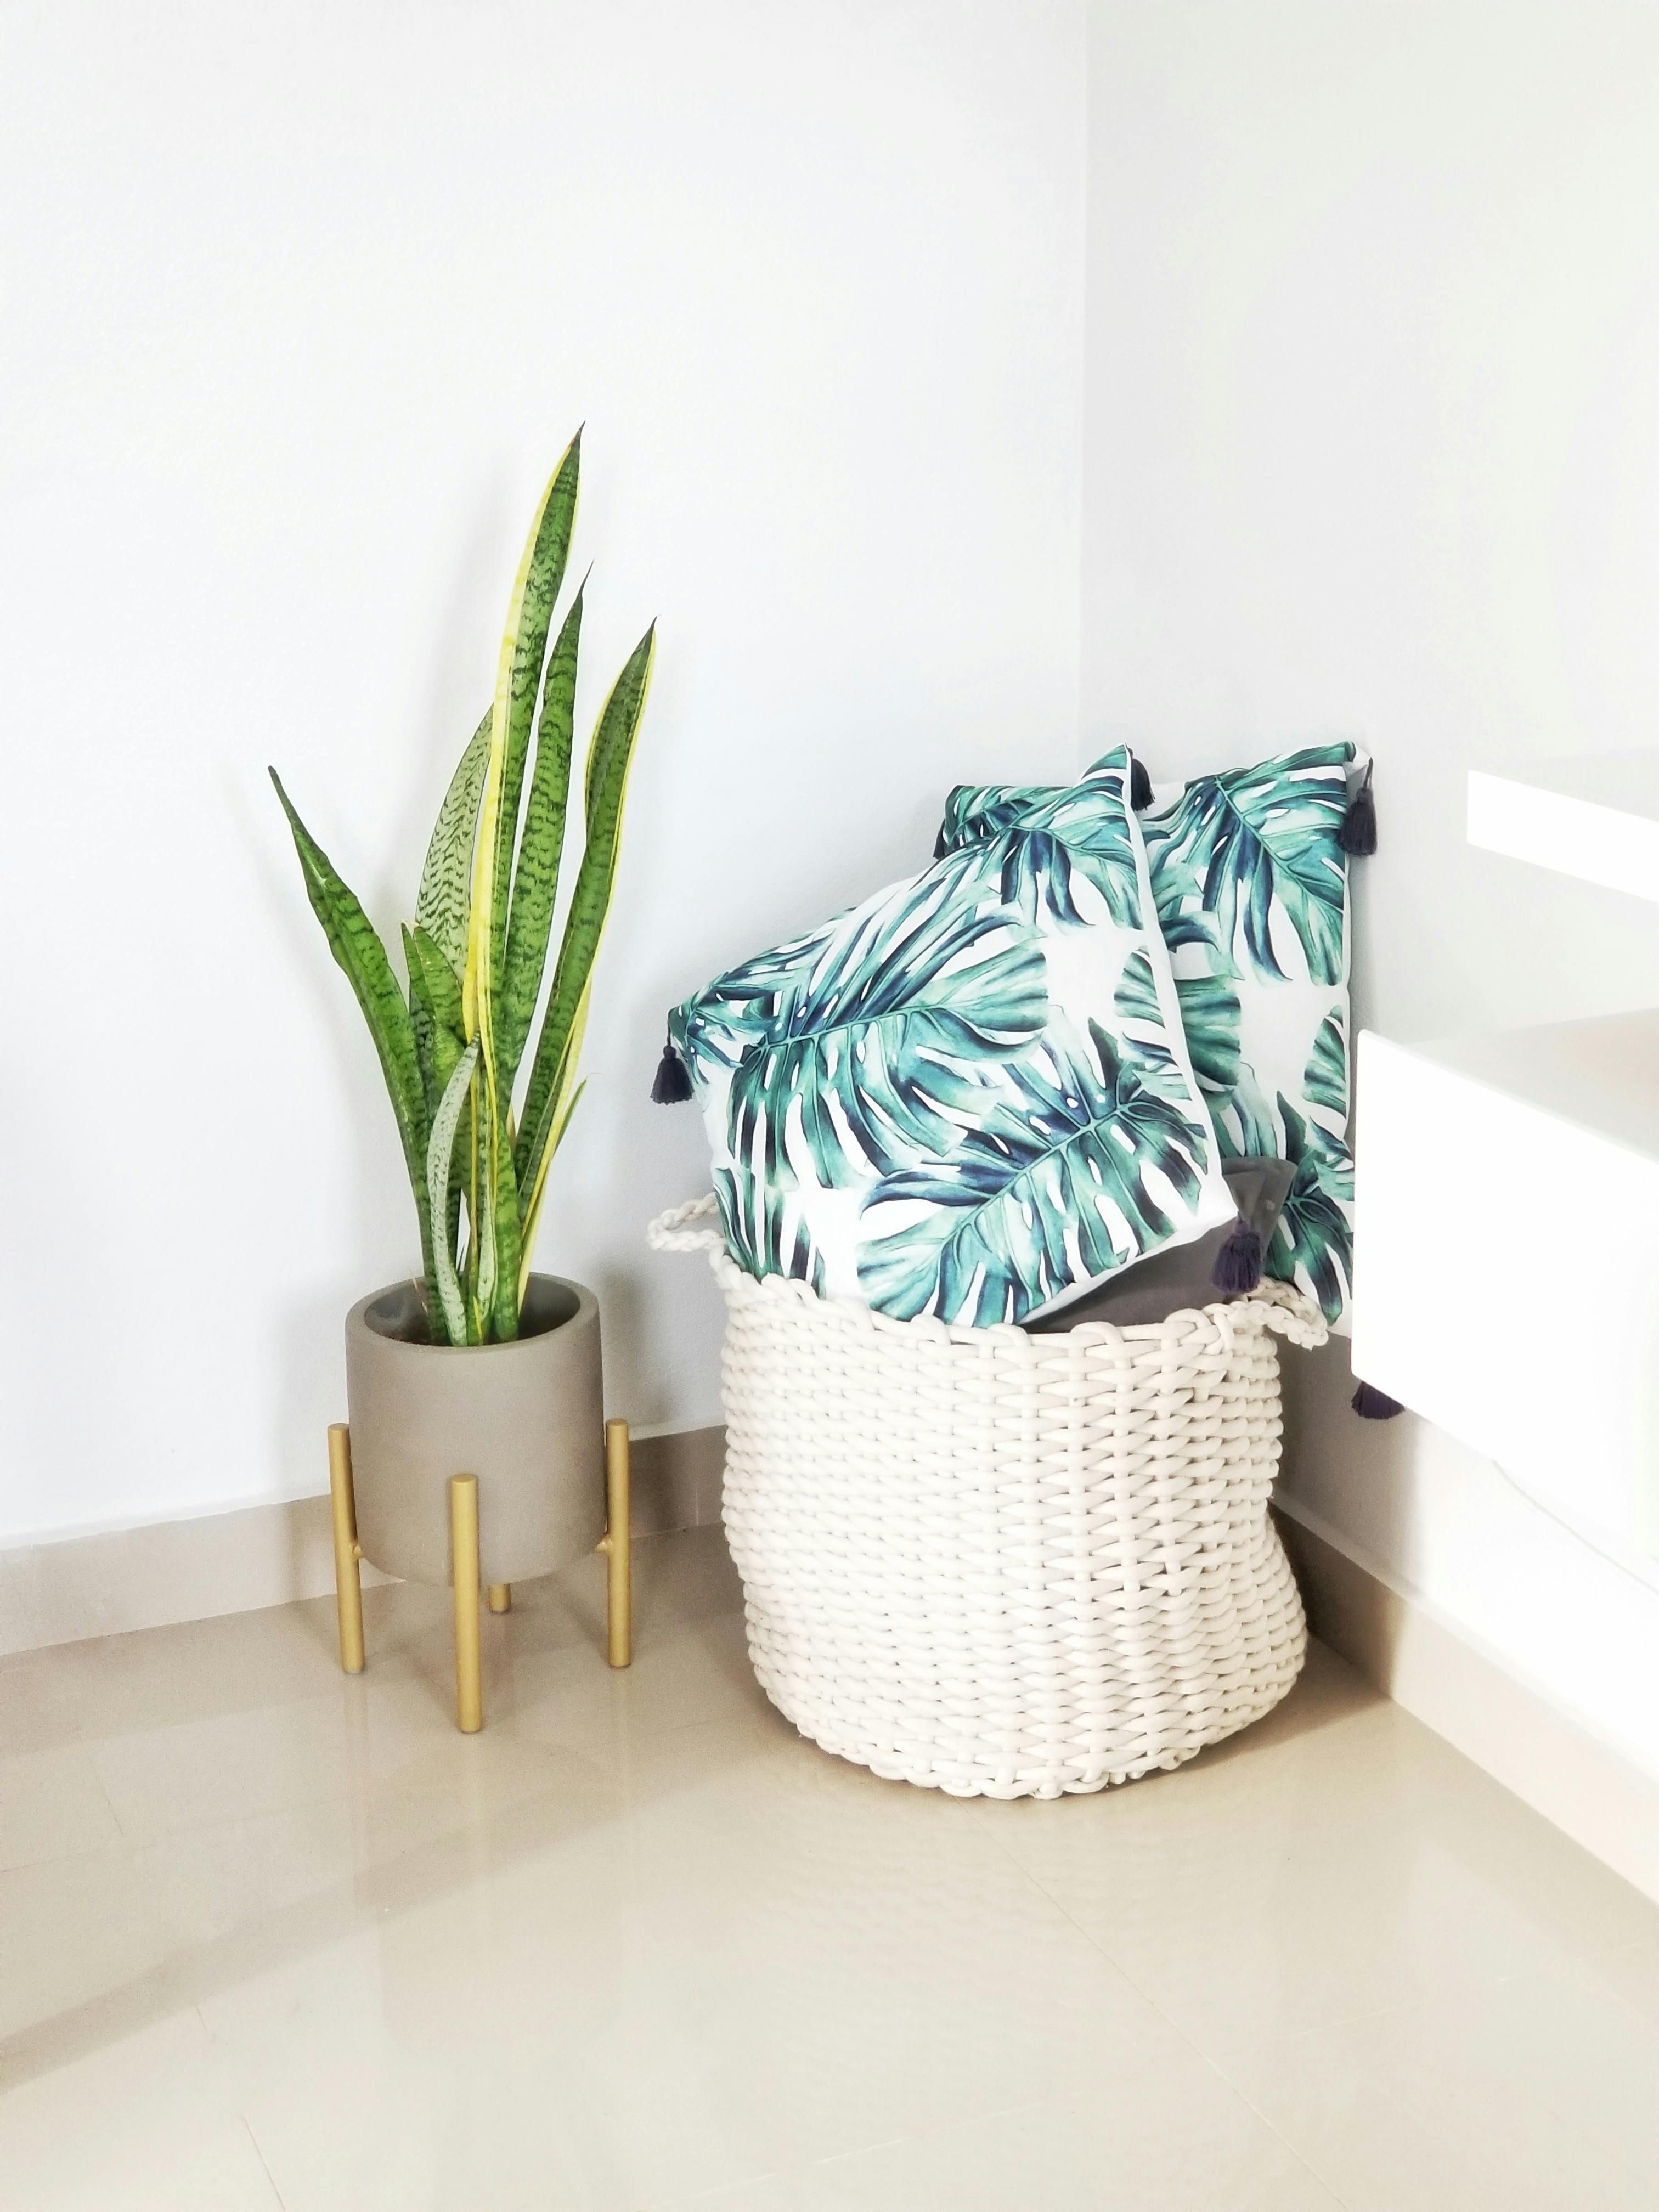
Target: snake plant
453	1050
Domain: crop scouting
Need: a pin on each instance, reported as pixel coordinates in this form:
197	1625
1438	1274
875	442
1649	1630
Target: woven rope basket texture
1005	1564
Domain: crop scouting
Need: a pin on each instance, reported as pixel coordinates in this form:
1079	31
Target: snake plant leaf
440	1171
1257	841
533	1209
543	574
1325	1083
431	975
610	757
444	896
481	1215
541	843
356	946
765	1230
1313	1245
504	1193
523	646
883	1042
1056	1171
518	672
435	1007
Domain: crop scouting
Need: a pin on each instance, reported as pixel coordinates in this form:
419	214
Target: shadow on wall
1351	1474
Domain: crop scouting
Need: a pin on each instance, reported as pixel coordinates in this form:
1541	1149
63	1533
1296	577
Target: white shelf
1596	818
1507	1255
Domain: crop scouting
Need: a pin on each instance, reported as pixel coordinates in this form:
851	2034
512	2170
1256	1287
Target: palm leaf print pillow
1249	879
968	1095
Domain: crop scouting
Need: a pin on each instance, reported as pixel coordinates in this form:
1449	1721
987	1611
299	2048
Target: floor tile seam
1235	2088
64	1858
103	1791
265	2163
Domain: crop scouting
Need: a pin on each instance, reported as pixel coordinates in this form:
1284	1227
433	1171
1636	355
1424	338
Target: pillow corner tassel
1238	1263
1358	835
1140	785
670	1086
1374	1405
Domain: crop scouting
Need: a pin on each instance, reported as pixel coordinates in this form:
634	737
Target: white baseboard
1551	1760
106	1584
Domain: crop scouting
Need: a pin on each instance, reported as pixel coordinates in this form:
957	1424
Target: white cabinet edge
1556	826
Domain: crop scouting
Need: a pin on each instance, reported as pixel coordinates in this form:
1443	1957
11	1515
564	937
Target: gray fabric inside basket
1171	1280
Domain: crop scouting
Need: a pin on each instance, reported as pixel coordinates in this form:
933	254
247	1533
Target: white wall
300	304
1372	449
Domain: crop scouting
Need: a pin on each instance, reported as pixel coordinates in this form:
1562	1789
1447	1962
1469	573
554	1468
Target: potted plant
479	1367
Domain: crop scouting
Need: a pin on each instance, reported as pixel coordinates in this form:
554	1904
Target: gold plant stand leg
348	1580
464	1552
499	1597
618	1547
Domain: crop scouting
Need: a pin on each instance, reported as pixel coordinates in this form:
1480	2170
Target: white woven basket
1005	1564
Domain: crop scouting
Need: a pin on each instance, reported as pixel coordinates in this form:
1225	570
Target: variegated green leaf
435	1007
610	757
504	1196
533	1212
440	1170
523	646
536	876
446	889
357	948
432	975
529	622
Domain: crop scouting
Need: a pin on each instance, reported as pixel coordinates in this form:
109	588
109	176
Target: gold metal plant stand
616	1544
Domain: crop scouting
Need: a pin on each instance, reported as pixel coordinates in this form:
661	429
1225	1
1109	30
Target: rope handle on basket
1287	1312
668	1233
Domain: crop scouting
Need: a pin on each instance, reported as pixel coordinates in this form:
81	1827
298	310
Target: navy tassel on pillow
1358	835
1140	784
672	1085
1374	1405
1238	1263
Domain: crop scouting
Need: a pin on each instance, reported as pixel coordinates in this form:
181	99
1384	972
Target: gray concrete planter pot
485	1463
527	1419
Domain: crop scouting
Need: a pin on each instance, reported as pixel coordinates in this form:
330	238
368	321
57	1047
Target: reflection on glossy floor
271	1937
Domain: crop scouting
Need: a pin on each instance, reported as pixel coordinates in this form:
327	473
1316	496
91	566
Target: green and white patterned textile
1250	883
968	1095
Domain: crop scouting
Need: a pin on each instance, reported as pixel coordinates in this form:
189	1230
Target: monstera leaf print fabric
968	1095
1250	883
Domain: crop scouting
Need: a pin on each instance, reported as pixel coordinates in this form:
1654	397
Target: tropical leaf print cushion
1250	884
968	1095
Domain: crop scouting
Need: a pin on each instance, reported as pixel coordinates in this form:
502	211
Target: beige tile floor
270	1937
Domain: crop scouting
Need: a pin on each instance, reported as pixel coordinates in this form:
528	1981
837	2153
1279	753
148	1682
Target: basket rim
1271	1305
